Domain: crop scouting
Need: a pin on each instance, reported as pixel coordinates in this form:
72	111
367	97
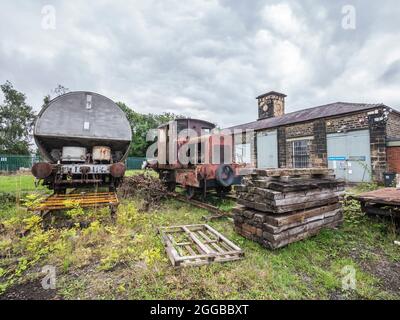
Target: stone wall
320	158
299	130
377	137
271	106
356	121
281	147
393	125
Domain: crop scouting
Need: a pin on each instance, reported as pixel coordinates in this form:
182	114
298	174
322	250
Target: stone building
359	141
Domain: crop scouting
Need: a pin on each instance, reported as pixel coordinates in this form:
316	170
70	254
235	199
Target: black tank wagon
84	138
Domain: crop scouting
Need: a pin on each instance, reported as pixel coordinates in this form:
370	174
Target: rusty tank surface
84	138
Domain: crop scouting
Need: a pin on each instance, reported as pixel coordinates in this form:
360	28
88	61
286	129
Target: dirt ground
29	291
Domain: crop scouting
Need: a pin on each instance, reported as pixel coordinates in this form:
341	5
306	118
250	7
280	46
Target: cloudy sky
204	58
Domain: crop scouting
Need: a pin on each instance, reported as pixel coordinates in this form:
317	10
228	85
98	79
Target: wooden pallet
196	245
84	200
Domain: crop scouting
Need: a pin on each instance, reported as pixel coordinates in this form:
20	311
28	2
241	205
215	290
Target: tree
58	91
141	124
16	122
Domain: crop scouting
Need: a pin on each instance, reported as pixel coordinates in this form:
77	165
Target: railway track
216	212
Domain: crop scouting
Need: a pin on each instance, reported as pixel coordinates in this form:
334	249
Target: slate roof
327	110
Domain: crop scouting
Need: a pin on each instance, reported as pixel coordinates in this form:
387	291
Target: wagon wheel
60	190
171	186
190	192
223	191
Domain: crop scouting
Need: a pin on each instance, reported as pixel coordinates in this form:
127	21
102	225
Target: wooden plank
220	236
387	211
293	217
300	236
274	195
300	229
321	217
171	251
288	208
293	172
196	240
285	201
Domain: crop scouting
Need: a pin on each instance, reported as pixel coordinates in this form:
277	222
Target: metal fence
134	163
12	163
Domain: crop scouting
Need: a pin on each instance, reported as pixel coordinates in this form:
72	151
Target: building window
300	154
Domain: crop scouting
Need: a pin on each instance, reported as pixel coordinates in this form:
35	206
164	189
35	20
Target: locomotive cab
193	155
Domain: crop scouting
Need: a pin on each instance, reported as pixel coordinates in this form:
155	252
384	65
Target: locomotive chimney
271	104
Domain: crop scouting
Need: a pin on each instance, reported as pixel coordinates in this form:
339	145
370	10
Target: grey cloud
392	73
206	59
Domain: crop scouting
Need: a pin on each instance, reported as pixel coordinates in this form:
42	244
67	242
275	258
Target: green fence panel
134	163
12	163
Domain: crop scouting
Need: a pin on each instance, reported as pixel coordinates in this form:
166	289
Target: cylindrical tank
83	120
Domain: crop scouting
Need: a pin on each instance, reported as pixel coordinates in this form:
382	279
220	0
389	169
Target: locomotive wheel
190	192
171	186
225	175
222	191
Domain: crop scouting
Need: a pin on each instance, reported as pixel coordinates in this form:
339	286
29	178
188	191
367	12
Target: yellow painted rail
84	200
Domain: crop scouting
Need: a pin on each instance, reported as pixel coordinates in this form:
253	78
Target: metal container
82	119
389	179
73	154
101	153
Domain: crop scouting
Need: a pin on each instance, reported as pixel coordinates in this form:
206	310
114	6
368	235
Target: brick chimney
271	104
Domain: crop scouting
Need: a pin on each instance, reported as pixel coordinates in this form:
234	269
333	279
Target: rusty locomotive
84	138
192	155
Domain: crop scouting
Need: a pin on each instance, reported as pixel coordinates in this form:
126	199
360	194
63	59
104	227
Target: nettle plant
32	200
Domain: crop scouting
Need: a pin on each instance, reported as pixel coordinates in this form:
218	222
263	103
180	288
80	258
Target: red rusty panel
393	158
187	178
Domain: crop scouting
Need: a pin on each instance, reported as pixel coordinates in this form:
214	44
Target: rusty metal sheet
389	196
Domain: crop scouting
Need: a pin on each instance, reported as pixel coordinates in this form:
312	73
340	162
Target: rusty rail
217	213
84	200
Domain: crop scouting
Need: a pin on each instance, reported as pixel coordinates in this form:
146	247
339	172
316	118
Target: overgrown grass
125	259
17	183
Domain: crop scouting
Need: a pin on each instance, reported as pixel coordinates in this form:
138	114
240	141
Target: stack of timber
381	202
281	206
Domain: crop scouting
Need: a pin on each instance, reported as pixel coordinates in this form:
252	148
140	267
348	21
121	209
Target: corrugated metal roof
327	110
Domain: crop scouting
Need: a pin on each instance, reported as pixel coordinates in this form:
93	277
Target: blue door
267	150
349	154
